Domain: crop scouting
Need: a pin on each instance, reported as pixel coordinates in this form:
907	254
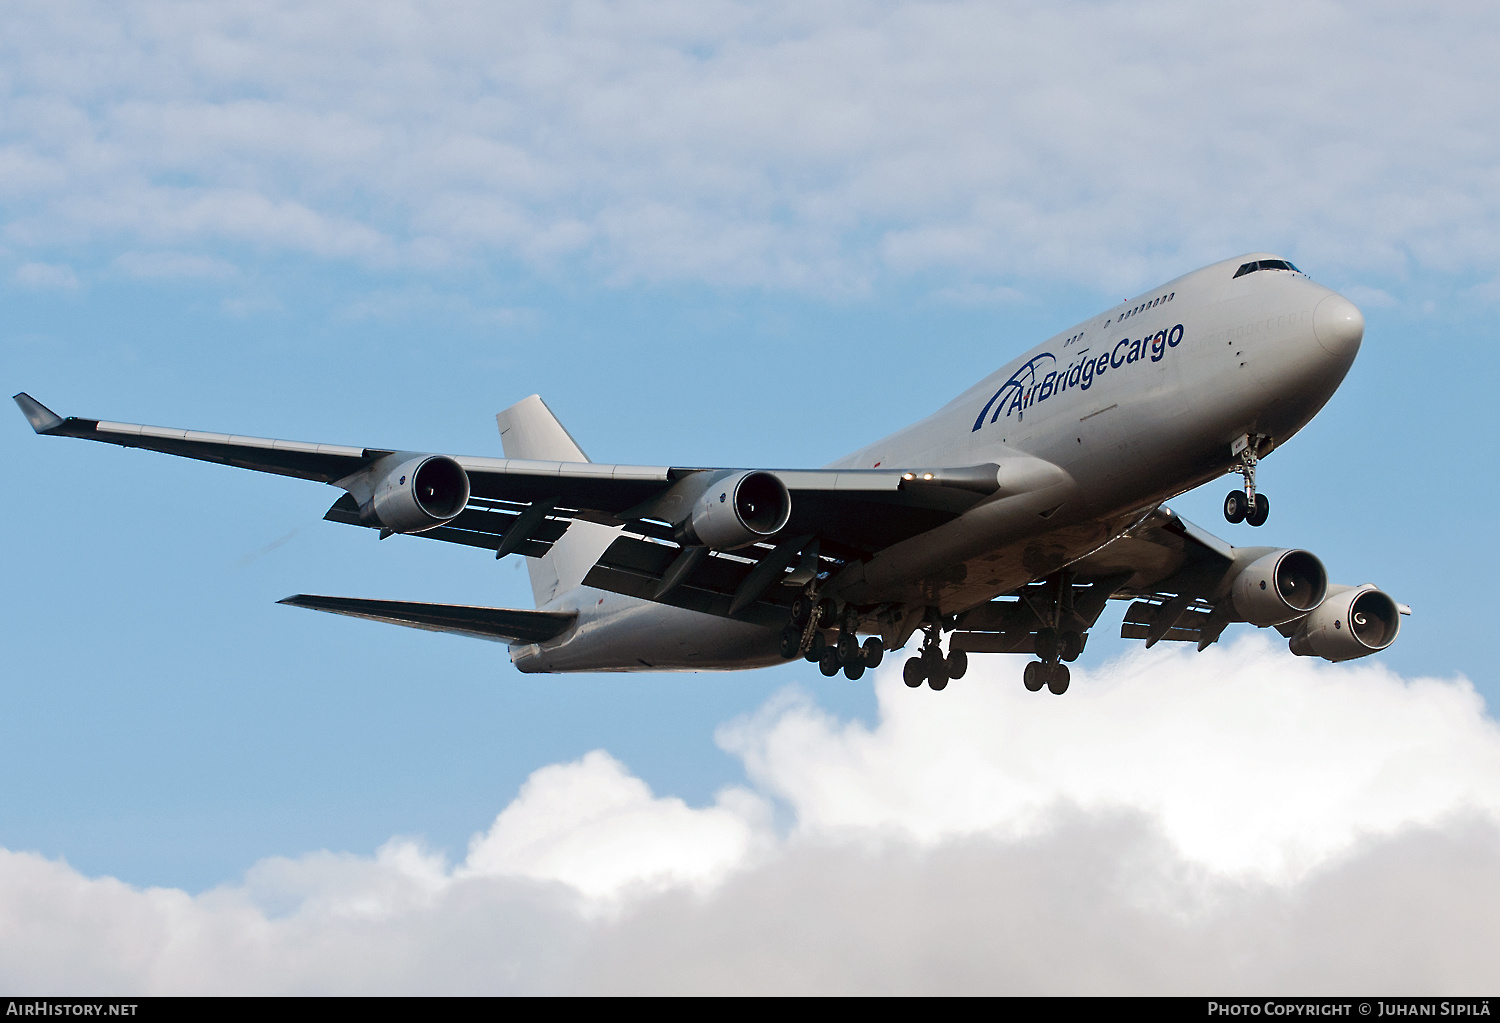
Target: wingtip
41	418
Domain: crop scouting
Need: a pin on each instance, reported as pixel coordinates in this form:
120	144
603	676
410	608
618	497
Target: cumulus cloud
763	143
1238	821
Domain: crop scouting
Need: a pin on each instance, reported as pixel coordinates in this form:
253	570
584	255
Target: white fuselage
1134	405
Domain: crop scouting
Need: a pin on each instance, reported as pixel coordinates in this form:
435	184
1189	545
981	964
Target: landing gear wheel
791	642
1071	646
1236	506
825	612
848	648
854	669
1047	642
1257	516
935	668
912	673
802	606
816	650
1035	676
873	652
828	664
1058	679
958	663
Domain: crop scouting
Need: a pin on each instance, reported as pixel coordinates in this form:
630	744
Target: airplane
1006	520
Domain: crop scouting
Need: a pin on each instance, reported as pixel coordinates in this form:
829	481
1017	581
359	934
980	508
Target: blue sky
744	234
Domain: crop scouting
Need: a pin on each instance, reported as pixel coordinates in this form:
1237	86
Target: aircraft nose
1339	325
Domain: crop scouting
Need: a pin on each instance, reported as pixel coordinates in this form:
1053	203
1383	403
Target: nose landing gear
1246	505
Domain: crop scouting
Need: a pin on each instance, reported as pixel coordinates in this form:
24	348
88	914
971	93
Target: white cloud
1238	821
600	831
171	266
1370	298
1254	763
763	143
46	276
1489	291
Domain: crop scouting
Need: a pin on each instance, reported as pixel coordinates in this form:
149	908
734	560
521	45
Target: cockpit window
1265	264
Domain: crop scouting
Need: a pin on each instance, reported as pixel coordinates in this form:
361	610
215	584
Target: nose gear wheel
1247	505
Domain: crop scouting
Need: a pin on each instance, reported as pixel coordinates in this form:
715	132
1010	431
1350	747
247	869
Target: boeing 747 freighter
1001	523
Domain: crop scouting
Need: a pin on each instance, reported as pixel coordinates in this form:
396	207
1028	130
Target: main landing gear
1055	642
1054	676
1053	647
930	665
1246	505
803	637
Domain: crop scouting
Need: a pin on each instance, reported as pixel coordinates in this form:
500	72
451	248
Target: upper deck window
1265	264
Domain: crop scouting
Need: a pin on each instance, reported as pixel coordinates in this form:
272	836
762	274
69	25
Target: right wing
523	506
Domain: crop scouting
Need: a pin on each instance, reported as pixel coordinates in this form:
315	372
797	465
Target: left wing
1174	571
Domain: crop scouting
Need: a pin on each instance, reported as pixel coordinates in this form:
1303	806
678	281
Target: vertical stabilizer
528	429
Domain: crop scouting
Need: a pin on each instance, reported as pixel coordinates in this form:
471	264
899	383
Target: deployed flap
1178	570
501	624
637	568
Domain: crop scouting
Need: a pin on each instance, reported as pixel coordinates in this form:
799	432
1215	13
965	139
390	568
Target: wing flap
636	568
498	624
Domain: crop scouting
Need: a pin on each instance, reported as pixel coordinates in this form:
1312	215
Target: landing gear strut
1054	645
1246	505
930	665
803	636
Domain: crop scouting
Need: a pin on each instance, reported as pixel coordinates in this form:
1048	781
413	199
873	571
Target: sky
735	234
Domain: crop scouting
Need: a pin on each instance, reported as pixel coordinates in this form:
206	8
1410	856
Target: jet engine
1353	621
1280	586
736	511
419	494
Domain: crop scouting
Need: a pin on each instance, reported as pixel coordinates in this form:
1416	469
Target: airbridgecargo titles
1023	388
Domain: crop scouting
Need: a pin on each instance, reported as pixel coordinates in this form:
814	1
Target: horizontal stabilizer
500	624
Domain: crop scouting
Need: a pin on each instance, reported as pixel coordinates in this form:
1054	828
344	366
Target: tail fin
528	429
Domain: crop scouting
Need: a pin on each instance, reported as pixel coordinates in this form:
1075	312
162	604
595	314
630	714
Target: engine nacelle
736	511
1353	621
1279	587
420	493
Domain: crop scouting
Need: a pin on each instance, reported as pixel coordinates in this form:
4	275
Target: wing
1179	575
523	506
1175	573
